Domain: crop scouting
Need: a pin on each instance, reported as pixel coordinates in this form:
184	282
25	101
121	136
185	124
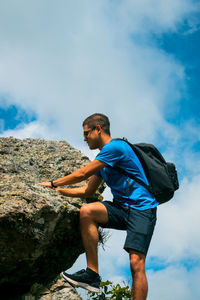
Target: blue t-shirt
124	189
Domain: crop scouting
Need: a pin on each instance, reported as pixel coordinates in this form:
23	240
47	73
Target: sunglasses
86	132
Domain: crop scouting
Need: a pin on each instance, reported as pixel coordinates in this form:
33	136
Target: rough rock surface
59	291
39	228
56	290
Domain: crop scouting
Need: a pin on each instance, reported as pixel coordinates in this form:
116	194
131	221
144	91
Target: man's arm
77	176
83	191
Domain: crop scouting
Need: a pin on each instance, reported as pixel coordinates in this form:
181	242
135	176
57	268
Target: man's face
91	136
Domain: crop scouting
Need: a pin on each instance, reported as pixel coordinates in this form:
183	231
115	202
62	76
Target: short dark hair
98	119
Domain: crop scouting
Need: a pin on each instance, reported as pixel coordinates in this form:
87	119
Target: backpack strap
130	175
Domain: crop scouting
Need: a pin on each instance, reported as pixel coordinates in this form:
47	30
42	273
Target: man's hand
45	184
87	190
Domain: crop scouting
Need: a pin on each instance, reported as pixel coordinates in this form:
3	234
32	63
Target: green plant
111	291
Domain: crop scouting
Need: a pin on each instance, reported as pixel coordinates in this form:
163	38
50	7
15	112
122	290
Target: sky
138	62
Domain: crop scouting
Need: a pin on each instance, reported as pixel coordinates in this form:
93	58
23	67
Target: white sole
81	284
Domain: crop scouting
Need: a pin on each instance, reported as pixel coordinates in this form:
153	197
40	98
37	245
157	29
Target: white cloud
157	15
31	130
69	59
178	224
174	283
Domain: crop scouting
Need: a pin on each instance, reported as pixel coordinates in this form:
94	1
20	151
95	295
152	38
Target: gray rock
60	291
39	228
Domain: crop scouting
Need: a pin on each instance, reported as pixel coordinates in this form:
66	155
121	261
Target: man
133	208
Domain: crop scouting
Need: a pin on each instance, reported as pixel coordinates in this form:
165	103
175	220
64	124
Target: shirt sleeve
110	154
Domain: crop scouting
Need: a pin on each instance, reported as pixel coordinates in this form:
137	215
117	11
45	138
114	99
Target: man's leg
140	284
90	215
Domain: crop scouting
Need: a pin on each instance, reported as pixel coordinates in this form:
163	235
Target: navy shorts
138	224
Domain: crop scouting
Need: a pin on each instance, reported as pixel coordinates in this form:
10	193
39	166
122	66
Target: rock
58	291
39	228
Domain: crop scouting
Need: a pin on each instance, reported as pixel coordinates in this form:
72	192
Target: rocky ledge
39	228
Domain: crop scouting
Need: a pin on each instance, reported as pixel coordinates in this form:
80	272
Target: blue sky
139	63
12	116
185	48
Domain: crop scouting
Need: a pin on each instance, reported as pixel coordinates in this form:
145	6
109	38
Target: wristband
52	184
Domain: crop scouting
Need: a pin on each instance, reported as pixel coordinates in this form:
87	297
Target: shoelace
80	272
83	271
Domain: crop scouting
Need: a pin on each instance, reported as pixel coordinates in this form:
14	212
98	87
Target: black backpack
162	176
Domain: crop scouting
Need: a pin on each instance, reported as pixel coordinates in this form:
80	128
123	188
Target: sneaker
86	279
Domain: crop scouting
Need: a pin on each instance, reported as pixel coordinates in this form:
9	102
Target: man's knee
95	212
85	211
89	210
137	261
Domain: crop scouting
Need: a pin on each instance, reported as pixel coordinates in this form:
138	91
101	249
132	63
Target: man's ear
98	127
